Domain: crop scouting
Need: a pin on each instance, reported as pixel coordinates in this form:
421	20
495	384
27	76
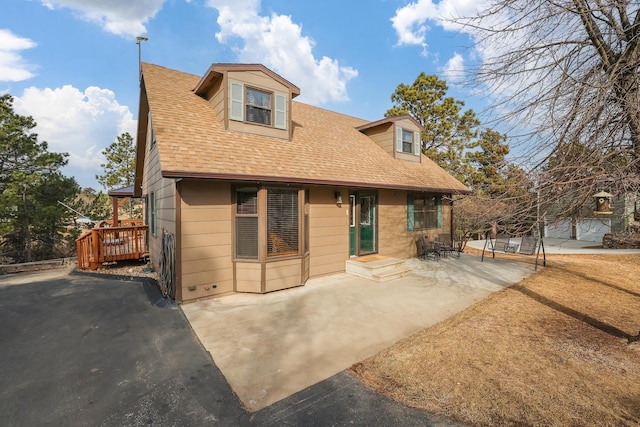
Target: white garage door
592	230
559	230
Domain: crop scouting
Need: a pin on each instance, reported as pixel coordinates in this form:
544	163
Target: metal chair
448	246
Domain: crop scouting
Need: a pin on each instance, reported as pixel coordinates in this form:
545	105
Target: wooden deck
105	243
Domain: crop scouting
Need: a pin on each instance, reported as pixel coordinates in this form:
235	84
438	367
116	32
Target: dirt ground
559	348
128	268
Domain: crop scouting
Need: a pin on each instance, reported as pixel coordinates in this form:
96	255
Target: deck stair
377	267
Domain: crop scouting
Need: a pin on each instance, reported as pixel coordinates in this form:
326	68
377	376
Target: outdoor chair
529	245
502	243
426	249
448	246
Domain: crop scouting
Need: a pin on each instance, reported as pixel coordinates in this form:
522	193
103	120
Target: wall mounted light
338	197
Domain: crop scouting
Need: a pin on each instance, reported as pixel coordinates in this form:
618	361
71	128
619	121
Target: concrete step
380	269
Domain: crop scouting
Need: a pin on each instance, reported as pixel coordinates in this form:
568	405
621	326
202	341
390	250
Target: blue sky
73	64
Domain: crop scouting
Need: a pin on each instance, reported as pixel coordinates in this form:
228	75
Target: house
248	190
590	223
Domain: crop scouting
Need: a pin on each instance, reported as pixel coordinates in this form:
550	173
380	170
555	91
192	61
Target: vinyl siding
393	238
283	274
206	238
259	80
328	232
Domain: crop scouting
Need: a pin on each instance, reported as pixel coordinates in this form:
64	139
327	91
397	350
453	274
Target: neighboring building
590	225
259	192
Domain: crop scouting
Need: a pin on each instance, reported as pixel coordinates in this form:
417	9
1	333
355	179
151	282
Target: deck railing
104	243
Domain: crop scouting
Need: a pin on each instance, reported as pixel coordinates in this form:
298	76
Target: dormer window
258	107
252	105
407	141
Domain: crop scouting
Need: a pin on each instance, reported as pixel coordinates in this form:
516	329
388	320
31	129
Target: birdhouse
603	203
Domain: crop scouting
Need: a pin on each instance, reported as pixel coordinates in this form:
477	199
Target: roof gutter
291	180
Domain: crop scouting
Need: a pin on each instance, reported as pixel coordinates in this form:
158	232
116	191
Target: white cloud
79	123
411	21
120	17
262	40
13	67
454	68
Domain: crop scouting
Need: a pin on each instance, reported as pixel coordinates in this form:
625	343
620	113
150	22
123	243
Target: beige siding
258	79
406	124
206	241
283	274
164	190
328	232
394	239
249	277
383	136
216	99
261	81
408	157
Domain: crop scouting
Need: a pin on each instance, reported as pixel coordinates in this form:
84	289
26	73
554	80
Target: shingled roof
326	147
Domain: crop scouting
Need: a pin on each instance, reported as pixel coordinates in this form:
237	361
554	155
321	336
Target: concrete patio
271	346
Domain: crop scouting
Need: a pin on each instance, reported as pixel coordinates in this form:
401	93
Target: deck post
96	260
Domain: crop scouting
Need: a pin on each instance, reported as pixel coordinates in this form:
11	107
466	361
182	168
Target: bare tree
565	73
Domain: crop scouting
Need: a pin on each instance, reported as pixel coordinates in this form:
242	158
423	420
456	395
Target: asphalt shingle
326	147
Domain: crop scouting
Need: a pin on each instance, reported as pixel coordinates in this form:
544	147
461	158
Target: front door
363	230
367	223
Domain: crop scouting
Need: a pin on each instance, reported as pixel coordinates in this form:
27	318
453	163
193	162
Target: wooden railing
104	243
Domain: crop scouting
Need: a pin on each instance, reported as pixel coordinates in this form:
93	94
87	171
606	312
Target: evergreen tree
120	168
31	219
449	132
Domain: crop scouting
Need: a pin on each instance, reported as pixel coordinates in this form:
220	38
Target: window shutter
151	135
398	139
409	212
439	211
236	101
417	144
281	111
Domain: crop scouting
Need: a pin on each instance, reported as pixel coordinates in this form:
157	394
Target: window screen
282	222
247	223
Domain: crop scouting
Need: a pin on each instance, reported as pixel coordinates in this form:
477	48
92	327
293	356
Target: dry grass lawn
559	348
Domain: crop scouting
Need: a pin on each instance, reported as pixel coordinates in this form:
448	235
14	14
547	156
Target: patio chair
448	246
426	249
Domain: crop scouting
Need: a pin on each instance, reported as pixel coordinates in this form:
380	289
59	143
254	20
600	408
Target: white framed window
258	106
408	141
253	105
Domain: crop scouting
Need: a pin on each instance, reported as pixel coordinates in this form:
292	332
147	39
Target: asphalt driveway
78	350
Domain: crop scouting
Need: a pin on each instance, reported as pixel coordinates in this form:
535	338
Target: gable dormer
398	135
249	98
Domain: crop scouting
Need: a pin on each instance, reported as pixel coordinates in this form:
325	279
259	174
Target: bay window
275	211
